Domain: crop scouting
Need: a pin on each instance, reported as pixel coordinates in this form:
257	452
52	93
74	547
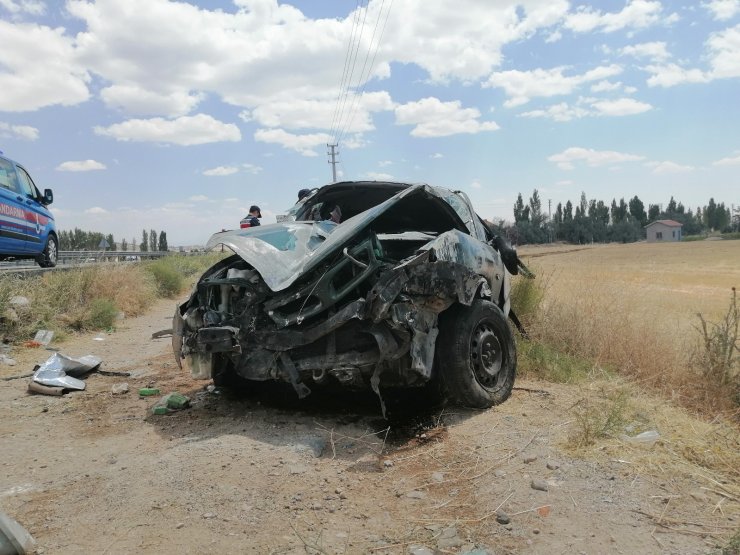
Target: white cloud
567	159
40	69
437	155
555	36
252	168
476	184
304	144
590	107
564	182
186	130
384	163
135	100
18	7
96	210
620	107
672	74
220	171
80	166
198	198
667	167
522	86
434	118
10	131
378	176
733	160
723	10
637	14
655	51
724	52
606	86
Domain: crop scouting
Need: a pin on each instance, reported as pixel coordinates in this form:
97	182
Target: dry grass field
633	308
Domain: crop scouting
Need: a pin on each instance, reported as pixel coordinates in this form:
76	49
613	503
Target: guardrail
81	258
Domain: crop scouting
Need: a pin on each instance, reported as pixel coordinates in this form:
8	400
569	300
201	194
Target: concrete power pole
549	219
333	153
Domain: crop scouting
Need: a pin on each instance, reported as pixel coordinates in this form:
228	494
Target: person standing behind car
252	219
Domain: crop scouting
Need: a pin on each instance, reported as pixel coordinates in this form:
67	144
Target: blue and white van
27	227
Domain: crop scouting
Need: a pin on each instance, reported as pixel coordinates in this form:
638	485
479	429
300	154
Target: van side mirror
48	197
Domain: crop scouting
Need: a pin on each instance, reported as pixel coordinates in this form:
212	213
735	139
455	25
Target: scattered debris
552	465
5	359
98	338
31	344
171	401
502	517
19	302
540	485
162	333
44	337
528	460
59	371
148	391
119	388
416	494
420	550
14	539
34	387
646	438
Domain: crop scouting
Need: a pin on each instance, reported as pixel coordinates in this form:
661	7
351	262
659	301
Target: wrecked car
366	284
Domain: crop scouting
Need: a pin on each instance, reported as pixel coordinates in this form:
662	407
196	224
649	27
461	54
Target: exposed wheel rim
52	251
486	355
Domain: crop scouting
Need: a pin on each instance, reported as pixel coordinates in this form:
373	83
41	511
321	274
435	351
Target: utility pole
333	153
549	219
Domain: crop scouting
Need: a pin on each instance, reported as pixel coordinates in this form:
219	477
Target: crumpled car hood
281	253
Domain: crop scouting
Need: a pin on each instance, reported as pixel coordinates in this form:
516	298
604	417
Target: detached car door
37	215
12	212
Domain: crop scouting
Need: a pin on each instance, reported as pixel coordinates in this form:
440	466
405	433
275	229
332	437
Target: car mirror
48	197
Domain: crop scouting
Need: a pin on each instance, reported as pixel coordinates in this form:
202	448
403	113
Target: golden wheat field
633	309
666	283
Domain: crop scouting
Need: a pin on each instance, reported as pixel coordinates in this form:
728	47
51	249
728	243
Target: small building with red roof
663	230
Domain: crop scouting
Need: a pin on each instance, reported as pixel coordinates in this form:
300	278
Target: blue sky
178	116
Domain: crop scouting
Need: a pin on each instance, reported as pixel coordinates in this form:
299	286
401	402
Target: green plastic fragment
158	409
176	401
148	391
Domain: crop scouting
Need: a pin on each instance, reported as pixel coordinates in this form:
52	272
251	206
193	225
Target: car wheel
48	258
476	354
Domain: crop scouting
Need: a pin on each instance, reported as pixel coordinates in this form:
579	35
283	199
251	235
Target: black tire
48	258
476	355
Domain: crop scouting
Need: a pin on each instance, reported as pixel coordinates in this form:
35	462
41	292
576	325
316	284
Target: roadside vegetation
91	298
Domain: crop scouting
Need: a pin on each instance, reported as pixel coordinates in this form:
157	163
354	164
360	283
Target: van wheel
476	355
48	258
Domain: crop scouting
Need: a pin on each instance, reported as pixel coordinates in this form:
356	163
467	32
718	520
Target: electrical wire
364	79
350	44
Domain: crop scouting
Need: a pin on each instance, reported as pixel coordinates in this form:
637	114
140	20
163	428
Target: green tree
124	244
637	210
153	241
162	241
111	241
653	213
519	210
144	246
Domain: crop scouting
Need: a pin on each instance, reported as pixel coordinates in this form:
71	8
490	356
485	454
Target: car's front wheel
48	257
476	354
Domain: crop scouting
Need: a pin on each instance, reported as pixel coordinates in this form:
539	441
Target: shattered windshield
287	238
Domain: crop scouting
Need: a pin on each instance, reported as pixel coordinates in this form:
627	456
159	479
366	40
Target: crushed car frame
411	287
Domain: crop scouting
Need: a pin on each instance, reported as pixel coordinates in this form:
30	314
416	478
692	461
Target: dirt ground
93	472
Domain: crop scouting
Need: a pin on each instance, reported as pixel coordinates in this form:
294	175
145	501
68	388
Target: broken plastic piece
44	337
148	391
14	539
58	371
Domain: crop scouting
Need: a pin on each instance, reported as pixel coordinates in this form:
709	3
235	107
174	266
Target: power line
366	79
352	70
350	44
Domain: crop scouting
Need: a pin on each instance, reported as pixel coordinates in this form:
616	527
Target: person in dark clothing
303	193
252	219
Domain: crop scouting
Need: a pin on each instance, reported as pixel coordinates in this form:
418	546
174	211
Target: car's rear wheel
48	257
476	354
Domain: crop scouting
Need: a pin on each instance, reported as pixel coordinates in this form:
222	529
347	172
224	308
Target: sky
177	116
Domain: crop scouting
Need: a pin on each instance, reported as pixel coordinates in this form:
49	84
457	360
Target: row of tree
594	221
79	240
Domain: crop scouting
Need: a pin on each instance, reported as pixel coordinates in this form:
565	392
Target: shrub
717	356
101	314
168	279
